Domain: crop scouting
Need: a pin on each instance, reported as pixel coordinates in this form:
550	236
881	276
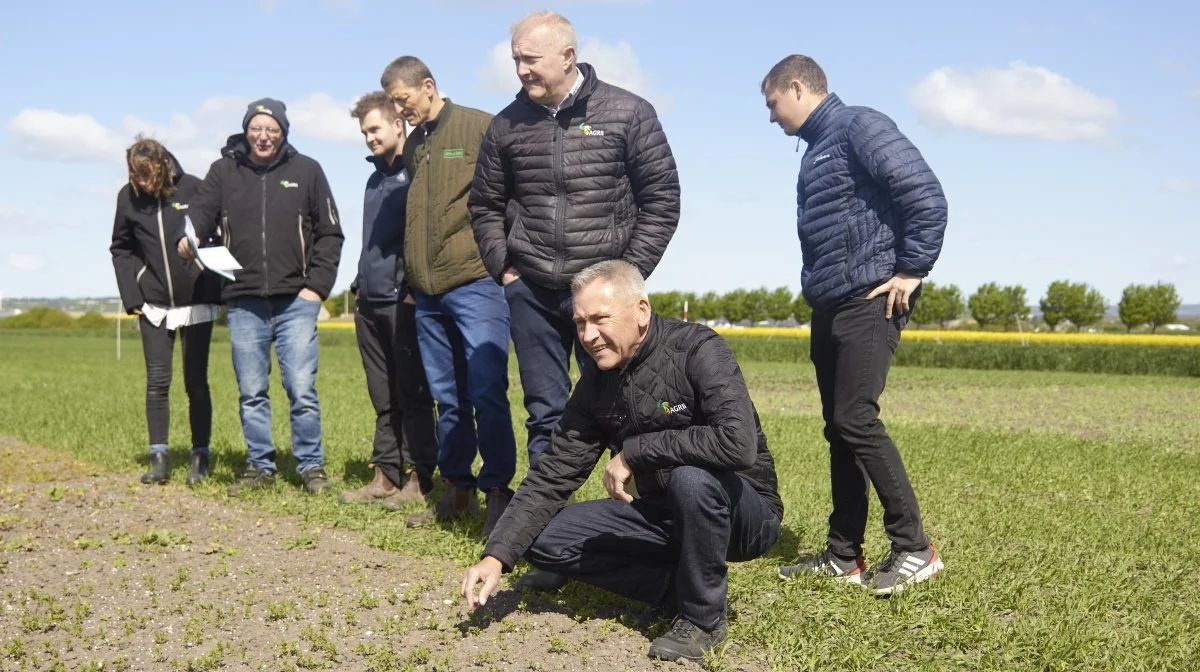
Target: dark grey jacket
554	194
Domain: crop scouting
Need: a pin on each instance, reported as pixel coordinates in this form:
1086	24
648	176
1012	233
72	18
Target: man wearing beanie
272	207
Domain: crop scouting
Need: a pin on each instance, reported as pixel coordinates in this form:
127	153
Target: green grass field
1065	505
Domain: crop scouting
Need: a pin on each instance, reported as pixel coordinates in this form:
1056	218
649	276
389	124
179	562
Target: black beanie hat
270	106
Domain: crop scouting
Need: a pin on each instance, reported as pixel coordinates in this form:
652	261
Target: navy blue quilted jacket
868	206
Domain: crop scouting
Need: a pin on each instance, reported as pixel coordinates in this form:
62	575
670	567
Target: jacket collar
586	88
822	117
383	167
653	336
236	148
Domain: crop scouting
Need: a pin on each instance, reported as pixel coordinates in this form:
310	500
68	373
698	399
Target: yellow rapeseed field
950	336
1057	338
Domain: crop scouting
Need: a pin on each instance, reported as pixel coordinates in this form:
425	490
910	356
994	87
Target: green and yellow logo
669	409
179	206
289	185
452	153
586	129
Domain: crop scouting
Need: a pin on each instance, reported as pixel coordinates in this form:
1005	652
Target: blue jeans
463	338
291	323
543	333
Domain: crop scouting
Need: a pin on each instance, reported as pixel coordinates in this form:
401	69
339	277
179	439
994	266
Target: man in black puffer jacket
575	171
668	397
278	218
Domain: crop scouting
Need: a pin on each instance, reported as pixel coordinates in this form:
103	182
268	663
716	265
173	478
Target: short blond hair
556	23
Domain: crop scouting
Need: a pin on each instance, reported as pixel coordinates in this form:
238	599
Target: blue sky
1065	136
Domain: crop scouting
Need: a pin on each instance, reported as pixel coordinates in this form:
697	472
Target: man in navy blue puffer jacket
871	220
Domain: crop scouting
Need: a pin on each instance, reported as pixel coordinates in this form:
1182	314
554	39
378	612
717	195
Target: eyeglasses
259	130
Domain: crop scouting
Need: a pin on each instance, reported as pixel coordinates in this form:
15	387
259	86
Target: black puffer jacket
148	266
680	401
279	221
554	194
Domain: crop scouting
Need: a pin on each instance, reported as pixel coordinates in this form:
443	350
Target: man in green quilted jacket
462	315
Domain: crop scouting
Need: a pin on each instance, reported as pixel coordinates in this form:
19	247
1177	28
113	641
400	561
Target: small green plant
303	541
84	543
277	611
182	574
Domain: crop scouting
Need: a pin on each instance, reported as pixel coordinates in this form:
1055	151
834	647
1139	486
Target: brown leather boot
411	493
455	504
379	488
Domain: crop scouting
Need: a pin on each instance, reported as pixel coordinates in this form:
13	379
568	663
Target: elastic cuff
158	448
200	450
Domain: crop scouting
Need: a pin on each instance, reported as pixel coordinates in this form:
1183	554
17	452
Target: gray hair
624	276
408	70
556	23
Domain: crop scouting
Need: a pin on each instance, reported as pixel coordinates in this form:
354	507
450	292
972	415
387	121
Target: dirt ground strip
98	572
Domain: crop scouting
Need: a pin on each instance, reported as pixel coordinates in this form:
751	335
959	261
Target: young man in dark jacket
171	297
462	318
872	217
668	397
385	323
573	172
279	220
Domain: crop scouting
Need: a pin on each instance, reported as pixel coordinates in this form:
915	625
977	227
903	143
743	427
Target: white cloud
65	137
615	63
1181	185
194	138
321	117
27	263
1018	101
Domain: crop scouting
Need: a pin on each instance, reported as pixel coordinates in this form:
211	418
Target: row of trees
1065	302
992	306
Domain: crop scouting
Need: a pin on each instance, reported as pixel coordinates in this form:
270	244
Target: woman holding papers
171	296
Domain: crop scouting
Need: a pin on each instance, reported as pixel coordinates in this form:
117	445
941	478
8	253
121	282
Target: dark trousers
679	542
852	348
158	345
404	417
543	334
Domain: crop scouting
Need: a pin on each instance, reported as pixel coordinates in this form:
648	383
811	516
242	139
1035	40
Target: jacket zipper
162	240
303	250
633	415
560	208
266	270
429	215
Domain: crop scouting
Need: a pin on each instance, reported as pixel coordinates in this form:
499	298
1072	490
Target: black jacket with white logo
681	400
279	221
147	263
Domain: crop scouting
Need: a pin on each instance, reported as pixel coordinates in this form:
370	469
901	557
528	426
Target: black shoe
826	563
315	480
900	570
252	478
688	641
199	469
540	581
158	470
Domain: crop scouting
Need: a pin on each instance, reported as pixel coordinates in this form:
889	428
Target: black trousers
852	349
158	344
404	417
676	543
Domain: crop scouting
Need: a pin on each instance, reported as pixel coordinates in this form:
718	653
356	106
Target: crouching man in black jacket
669	399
